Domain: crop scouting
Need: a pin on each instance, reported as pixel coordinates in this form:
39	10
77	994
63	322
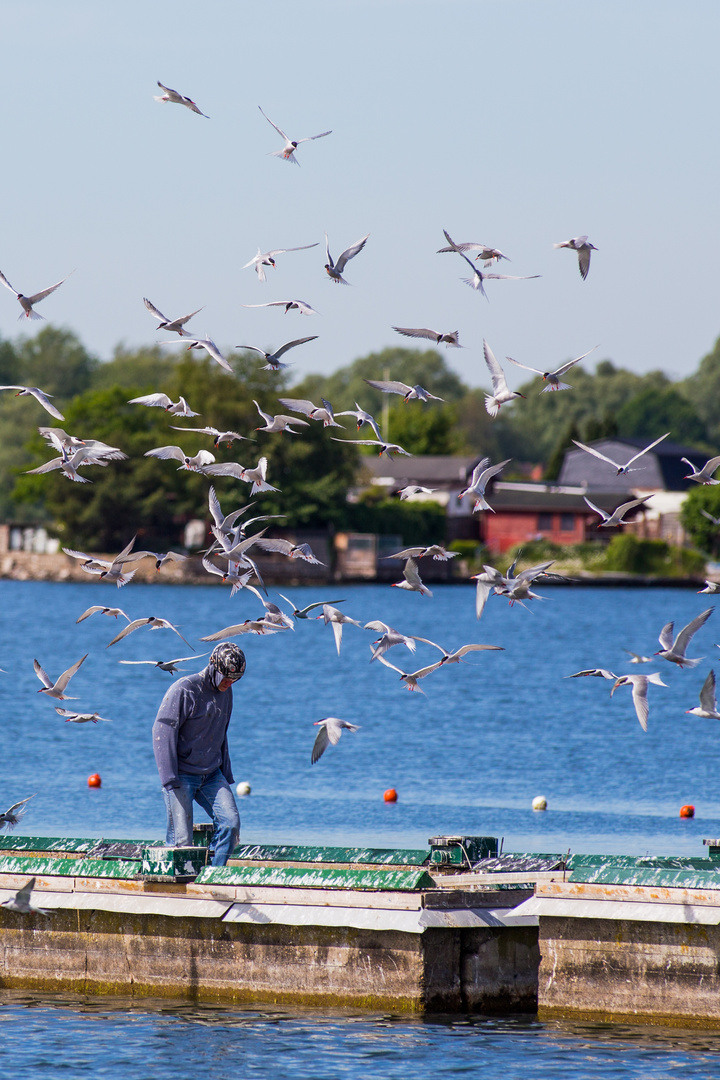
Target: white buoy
539	803
243	788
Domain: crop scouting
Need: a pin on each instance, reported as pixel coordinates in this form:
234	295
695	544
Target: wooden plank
635	893
475	880
268	894
42	883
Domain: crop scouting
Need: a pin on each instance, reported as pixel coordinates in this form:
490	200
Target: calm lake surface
468	758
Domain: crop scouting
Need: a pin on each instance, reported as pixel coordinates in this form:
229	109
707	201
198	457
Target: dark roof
661	468
424	469
545	498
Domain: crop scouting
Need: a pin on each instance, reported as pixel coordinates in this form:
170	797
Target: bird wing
283	546
22	896
600	673
391	387
687	633
525	366
626	507
350	253
279	130
710	466
509	277
160	400
410	573
36	297
496	372
337	634
91	611
134	625
431	335
708	700
425	670
603	515
166	452
154	311
493	470
476	648
301	405
291	345
647	448
566	367
597	454
7	284
320	745
640	701
310	138
42	675
406	553
67	675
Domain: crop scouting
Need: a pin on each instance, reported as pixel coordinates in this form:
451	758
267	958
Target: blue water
468	758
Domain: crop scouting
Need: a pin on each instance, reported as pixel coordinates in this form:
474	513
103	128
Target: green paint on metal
316	878
685	878
315	854
173	863
81	845
58	867
639	862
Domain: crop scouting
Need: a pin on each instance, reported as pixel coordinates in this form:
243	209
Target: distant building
660	469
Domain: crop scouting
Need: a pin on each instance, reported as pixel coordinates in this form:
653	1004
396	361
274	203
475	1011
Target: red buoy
687	811
94	780
390	795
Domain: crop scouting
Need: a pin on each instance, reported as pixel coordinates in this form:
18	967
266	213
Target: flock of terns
230	555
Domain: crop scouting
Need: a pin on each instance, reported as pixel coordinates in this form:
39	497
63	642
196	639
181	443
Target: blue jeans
212	792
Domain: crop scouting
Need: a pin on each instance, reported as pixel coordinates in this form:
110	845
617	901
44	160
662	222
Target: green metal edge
315	854
63	843
58	867
660	862
320	878
685	878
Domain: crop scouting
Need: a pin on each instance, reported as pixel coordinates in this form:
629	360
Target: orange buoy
687	811
390	795
94	780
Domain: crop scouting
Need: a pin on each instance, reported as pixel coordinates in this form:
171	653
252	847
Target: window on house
544	522
567	522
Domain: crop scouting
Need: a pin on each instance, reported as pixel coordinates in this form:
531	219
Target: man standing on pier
191	752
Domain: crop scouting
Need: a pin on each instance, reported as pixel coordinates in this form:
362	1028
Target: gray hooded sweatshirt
190	730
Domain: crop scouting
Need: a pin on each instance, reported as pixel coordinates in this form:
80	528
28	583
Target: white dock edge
132	903
635	911
410	922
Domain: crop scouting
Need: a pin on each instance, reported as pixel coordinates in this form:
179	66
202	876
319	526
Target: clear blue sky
513	122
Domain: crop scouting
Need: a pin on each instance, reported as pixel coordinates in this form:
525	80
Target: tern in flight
639	684
113	612
14	813
173	326
412	489
26	302
291	145
331	728
411	580
311	410
39	395
482	475
674	650
432	335
582	245
363	417
411	678
338	619
292	551
388	449
552	378
489	255
434	551
705	474
210	348
621	469
165	665
80	717
302	613
335	269
21	901
57	689
178	99
273	358
616	518
500	394
267	258
711	587
708	701
289	305
197	463
218	437
279	422
153	623
162	401
476	281
409	393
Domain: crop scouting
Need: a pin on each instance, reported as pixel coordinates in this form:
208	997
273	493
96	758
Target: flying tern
196	463
267	258
411	678
273	358
616	518
487	254
409	393
26	302
152	623
705	474
388	449
432	335
411	580
331	728
335	269
255	476
708	702
173	326
289	305
108	570
411	489
482	475
639	684
621	469
250	626
711	587
227	437
80	717
279	422
165	665
177	99
291	145
21	901
293	551
552	378
39	395
674	650
500	394
312	411
338	619
162	401
582	245
210	348
57	689
362	417
15	813
435	551
113	612
302	613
